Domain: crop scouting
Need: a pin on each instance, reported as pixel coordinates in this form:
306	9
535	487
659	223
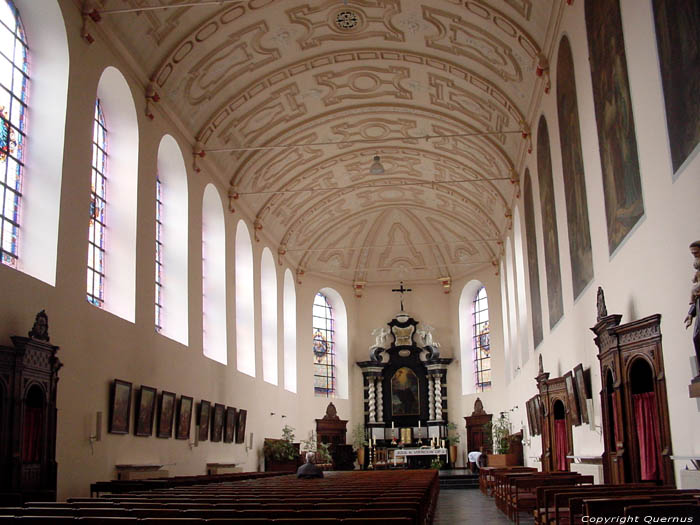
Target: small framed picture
166	415
120	407
573	402
145	411
183	418
581	392
230	424
203	416
539	418
240	425
217	422
529	411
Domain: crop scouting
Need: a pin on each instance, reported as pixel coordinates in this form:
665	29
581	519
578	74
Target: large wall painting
549	224
678	37
622	186
405	399
574	179
532	262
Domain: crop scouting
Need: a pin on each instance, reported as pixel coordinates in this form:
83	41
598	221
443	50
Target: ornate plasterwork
329	76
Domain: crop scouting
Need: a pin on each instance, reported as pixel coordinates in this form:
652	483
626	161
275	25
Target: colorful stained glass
14	81
482	341
323	347
98	205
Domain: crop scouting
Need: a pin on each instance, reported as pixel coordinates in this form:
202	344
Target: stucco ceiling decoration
290	101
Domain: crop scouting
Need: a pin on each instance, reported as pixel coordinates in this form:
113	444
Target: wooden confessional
557	422
636	428
28	381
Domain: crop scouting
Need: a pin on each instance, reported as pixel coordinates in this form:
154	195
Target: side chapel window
14	83
323	347
482	342
98	203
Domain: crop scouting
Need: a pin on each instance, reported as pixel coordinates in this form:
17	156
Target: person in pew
309	469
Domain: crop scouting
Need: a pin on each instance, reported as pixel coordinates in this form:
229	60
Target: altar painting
405	399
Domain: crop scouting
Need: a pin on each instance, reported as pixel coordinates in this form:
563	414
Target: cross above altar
401	290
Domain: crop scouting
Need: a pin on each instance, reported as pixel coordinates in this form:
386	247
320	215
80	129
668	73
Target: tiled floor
458	507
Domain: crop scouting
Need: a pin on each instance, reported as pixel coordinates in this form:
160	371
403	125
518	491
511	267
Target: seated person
308	469
474	460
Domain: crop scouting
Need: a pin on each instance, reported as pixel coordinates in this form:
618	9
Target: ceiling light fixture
376	168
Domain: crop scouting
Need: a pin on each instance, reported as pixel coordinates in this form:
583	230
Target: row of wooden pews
392	497
569	498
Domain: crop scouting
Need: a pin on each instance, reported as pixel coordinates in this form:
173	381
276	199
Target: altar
405	388
419	452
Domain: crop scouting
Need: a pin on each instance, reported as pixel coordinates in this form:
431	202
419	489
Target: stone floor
459	507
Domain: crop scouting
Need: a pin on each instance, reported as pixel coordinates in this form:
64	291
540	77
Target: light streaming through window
14	82
159	255
482	342
98	203
323	347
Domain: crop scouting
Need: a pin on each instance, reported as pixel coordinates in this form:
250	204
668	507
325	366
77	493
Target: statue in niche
695	302
600	304
40	330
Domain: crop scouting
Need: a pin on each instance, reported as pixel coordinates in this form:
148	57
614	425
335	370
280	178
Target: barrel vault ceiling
441	90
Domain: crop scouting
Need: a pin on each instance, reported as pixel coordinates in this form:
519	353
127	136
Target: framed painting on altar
405	398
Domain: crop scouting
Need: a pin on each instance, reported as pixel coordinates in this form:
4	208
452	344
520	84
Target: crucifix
401	290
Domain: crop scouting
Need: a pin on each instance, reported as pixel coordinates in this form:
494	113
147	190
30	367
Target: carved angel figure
380	335
425	332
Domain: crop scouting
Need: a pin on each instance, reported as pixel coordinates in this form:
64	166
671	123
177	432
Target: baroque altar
405	384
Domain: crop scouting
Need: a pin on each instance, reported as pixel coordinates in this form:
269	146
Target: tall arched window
14	81
98	205
323	347
482	341
171	297
268	307
245	302
290	333
213	276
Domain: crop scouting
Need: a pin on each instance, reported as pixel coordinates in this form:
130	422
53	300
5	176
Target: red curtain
31	437
647	434
616	421
561	443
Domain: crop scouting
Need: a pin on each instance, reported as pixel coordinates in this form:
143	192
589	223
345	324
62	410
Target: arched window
98	205
323	347
171	297
14	81
245	302
290	333
268	307
482	341
213	276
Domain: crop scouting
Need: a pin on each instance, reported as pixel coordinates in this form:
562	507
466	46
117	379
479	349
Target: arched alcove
290	332
174	240
213	276
268	308
245	302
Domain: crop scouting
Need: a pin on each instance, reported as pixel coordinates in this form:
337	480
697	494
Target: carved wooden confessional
28	381
557	436
636	428
476	429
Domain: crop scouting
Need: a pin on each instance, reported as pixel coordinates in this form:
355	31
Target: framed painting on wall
528	410
183	418
217	423
203	420
145	411
572	401
166	414
120	407
581	392
240	425
230	424
538	414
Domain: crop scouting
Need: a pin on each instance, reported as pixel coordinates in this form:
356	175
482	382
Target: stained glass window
14	82
323	347
98	203
482	342
159	254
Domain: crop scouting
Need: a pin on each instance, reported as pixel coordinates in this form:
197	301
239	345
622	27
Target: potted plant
322	451
452	439
499	432
359	442
281	454
437	464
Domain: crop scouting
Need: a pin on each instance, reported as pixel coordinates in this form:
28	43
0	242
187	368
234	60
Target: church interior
399	226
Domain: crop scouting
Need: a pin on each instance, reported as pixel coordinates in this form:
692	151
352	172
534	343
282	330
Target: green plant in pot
436	464
322	450
496	434
452	440
281	449
359	442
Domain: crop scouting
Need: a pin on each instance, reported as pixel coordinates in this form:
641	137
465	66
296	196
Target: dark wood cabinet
28	381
